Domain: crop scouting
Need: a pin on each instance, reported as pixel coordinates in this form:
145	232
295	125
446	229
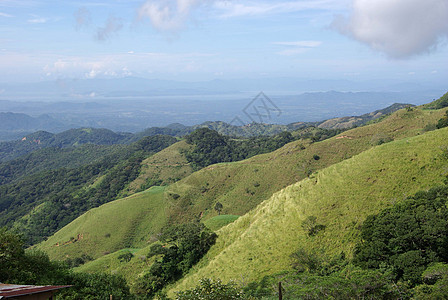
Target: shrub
311	227
209	289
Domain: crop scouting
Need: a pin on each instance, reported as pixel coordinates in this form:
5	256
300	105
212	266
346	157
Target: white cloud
5	15
38	20
398	28
297	47
305	44
254	8
168	15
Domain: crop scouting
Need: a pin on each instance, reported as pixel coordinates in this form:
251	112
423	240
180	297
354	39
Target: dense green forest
67	139
56	197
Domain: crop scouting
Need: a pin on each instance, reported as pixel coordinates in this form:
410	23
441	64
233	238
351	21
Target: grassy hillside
132	221
240	186
340	197
163	168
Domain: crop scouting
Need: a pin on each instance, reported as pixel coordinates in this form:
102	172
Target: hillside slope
123	223
163	168
340	197
240	186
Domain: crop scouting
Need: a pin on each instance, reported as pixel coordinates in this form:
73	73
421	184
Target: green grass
130	222
111	264
340	196
217	222
165	167
241	186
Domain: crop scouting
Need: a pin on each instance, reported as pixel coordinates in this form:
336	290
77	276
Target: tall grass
340	197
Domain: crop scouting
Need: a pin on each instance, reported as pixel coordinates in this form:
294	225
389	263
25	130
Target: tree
182	246
218	207
11	255
209	289
443	122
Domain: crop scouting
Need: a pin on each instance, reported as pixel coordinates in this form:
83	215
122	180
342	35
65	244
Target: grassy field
129	222
218	222
241	186
340	197
162	168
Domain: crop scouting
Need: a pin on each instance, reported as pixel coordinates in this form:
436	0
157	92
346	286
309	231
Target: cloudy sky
213	39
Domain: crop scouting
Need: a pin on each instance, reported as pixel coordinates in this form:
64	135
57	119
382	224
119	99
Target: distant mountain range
134	114
41	138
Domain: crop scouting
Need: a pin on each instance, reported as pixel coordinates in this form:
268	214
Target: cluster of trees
34	267
64	194
408	237
316	134
181	246
67	139
443	122
212	147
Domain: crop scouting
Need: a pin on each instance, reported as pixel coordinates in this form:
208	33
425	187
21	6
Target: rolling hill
240	187
339	197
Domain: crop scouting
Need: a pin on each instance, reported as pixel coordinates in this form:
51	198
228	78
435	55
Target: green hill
40	204
162	168
339	197
132	221
239	186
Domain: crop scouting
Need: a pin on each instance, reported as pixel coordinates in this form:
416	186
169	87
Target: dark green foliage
77	261
182	247
435	286
54	158
67	139
349	283
345	282
218	207
316	157
34	267
319	134
209	289
125	257
64	194
311	227
407	237
379	139
443	122
211	147
95	286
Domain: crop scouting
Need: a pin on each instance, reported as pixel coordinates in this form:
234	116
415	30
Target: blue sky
221	39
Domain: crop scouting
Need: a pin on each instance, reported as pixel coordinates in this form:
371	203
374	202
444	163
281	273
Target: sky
196	40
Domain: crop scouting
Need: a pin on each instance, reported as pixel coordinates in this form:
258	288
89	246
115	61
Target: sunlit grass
124	223
340	196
